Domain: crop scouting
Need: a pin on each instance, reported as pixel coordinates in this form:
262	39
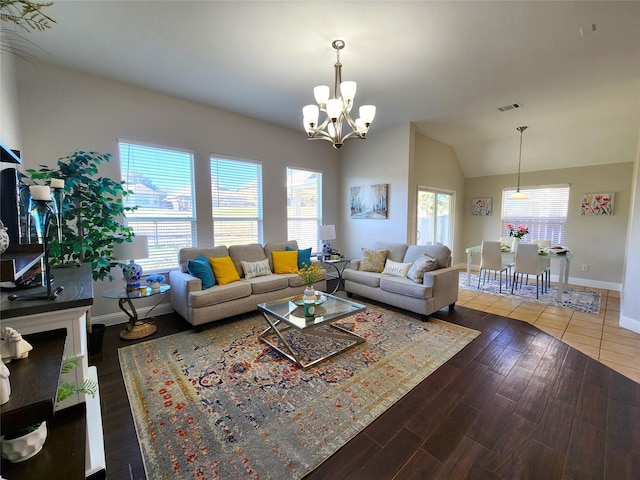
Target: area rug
220	404
578	300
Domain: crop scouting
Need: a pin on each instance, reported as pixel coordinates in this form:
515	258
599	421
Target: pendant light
519	195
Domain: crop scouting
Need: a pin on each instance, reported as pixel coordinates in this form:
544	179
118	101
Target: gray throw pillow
424	263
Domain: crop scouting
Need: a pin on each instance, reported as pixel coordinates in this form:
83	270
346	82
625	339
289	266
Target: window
544	213
236	201
162	183
435	212
304	207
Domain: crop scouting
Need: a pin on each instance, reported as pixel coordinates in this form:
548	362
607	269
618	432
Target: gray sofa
199	306
439	287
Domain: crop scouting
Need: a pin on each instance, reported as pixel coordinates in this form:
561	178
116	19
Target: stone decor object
5	385
13	346
4	238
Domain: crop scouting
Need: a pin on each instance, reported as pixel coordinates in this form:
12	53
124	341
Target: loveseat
244	285
418	278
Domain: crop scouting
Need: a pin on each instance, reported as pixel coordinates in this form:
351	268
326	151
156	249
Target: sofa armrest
444	283
181	285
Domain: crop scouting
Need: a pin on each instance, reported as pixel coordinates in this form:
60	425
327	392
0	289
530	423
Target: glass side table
135	328
339	264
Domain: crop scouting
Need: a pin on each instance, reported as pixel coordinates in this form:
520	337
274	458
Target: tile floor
598	336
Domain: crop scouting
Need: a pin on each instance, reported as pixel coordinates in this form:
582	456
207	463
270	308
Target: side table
135	328
339	265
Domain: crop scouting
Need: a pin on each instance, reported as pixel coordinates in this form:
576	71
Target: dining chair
528	263
491	261
542	244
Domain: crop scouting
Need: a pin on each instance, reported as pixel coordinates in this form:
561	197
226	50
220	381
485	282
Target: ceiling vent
511	106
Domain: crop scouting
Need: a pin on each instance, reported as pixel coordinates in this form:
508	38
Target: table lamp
136	249
326	233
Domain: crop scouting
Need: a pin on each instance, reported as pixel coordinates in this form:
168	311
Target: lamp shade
327	232
136	249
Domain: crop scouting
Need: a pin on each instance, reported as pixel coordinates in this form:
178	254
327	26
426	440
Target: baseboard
583	282
119	317
629	323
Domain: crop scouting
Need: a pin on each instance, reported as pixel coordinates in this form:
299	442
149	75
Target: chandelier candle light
337	108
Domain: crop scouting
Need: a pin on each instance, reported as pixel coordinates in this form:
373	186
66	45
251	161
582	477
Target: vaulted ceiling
573	66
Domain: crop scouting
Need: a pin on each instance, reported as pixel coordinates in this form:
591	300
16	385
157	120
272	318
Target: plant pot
96	336
155	286
24	447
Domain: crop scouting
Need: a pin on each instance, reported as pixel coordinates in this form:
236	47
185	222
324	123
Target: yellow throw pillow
284	261
224	270
373	260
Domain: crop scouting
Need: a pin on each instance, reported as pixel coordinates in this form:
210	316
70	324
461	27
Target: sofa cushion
269	283
406	287
441	253
285	261
395	251
304	256
191	253
424	263
260	268
224	270
370	279
220	294
251	252
373	260
201	268
396	269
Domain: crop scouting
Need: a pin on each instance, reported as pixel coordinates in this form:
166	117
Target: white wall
382	158
596	241
9	113
63	110
629	298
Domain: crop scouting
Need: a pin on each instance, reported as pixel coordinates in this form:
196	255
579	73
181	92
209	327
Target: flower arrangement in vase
518	232
155	281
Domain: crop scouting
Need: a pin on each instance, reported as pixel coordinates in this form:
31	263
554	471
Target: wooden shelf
34	381
18	259
63	453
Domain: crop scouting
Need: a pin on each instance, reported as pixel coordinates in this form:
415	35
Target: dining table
562	259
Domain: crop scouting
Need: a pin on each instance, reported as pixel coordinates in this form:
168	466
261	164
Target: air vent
511	106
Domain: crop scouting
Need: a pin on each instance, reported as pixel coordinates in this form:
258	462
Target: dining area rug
578	300
221	404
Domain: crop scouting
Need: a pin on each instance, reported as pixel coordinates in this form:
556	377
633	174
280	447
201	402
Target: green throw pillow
201	268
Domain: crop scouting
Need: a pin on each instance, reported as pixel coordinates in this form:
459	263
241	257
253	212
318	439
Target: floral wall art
481	206
597	204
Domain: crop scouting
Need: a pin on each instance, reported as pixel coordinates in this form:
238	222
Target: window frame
311	222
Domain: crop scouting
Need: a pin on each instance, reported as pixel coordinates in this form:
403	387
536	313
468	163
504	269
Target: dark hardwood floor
516	403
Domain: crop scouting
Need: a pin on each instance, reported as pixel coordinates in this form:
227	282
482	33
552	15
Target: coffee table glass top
326	311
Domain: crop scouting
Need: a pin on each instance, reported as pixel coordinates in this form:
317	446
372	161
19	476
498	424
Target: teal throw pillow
304	256
201	268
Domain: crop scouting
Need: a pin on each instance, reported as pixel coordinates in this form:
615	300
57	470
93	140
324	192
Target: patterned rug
220	404
578	300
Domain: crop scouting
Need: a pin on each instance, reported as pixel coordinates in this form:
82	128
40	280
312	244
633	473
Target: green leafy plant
92	213
66	389
28	16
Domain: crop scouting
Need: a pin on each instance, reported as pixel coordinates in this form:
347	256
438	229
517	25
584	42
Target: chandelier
337	109
518	195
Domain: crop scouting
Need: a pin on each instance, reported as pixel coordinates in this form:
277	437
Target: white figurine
13	345
5	386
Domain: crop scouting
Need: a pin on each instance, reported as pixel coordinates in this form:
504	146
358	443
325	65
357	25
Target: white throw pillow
424	263
256	269
396	269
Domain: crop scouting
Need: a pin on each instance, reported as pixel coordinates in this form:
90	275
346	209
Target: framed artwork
481	206
369	201
597	204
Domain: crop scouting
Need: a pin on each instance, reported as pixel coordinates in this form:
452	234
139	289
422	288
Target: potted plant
23	444
92	204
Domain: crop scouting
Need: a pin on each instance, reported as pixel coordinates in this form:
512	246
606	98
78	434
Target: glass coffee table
287	315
